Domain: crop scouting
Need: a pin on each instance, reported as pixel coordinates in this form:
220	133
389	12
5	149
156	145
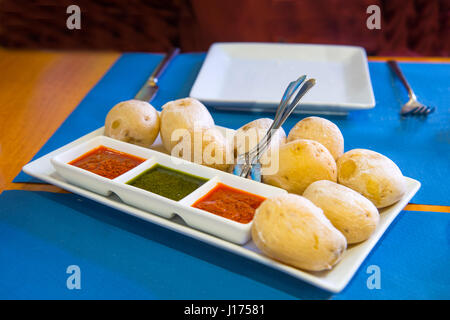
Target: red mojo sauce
106	162
230	203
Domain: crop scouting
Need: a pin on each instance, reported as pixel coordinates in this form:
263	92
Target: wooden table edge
410	59
44	187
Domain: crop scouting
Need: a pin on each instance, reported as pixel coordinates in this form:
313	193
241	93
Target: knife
148	91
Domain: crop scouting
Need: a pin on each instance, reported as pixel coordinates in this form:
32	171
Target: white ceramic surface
253	76
333	280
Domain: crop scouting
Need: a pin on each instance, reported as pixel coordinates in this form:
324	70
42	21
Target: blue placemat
122	81
121	257
420	146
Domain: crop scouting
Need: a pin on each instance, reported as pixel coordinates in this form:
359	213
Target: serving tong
248	163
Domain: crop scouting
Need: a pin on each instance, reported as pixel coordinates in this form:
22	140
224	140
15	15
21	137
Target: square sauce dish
95	163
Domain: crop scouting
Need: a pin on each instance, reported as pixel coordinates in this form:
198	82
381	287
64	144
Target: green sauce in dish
167	182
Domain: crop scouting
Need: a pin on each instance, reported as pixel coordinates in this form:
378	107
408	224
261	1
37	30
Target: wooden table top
39	89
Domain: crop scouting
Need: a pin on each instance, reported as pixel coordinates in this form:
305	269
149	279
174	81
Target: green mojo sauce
167	182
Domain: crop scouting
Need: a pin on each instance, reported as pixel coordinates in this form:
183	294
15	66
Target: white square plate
253	76
333	280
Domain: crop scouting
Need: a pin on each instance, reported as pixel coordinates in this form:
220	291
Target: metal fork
412	107
247	163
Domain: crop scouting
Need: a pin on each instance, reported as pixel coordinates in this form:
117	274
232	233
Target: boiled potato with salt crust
320	130
301	162
182	114
351	213
249	135
133	121
293	230
373	175
206	146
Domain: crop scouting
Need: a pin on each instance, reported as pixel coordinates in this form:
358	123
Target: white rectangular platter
253	76
333	280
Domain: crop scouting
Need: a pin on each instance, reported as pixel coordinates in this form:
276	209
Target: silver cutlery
247	163
413	106
150	88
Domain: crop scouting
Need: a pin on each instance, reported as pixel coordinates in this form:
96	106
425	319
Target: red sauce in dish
230	203
106	162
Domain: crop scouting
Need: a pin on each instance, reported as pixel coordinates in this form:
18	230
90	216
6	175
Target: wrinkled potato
248	136
301	162
182	114
291	229
320	130
133	121
351	213
373	175
206	146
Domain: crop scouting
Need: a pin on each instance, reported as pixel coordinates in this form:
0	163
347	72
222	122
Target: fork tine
430	110
409	112
425	111
419	110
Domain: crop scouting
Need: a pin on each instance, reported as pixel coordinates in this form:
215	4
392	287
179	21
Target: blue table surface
121	257
420	146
